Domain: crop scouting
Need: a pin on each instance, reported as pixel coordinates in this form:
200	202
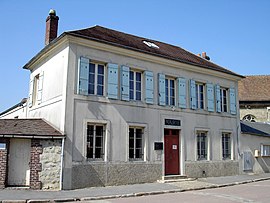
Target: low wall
102	174
211	168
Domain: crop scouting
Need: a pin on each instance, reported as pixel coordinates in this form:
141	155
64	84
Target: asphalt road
252	192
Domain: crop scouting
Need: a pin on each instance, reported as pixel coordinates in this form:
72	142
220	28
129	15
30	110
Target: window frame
103	153
263	154
198	94
135	89
199	153
35	89
96	74
222	104
226	153
168	96
142	155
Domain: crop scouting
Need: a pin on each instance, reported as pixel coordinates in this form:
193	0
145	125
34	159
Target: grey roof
255	128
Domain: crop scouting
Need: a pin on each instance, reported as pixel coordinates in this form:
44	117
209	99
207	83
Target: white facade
55	96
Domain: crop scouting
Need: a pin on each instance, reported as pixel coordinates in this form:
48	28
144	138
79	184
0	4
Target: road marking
229	197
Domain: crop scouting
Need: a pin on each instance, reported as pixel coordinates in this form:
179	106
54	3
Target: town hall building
125	109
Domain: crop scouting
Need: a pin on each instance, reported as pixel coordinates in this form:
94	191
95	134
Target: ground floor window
265	150
95	141
135	143
226	146
201	145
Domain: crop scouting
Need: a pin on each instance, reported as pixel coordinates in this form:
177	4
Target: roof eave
44	50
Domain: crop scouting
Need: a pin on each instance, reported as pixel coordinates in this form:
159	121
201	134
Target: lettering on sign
172	122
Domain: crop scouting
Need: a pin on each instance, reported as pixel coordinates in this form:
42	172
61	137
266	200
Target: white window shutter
192	94
149	87
232	101
83	76
182	93
40	87
31	88
113	81
210	97
161	89
218	101
125	83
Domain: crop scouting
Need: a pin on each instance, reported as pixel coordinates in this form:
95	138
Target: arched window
249	118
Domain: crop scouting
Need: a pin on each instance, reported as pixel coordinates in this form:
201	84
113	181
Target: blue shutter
232	101
192	94
161	89
31	88
149	87
125	83
182	92
40	87
113	81
218	102
83	76
210	97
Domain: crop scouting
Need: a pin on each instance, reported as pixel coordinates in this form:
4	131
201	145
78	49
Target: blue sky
234	33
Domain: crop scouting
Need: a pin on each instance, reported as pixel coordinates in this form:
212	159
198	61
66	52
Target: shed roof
255	128
28	127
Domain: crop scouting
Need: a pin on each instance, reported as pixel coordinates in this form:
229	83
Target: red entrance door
171	138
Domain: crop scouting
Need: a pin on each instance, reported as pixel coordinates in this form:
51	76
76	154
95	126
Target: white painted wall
54	69
250	143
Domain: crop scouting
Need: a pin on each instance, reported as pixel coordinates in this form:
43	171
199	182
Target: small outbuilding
255	146
30	154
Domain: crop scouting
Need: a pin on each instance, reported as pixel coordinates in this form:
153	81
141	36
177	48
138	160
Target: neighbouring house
16	111
255	146
132	110
254	98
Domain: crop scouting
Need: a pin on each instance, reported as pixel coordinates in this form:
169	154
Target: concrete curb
139	194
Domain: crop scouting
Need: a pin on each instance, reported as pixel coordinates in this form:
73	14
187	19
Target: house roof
135	43
28	127
254	88
116	38
255	128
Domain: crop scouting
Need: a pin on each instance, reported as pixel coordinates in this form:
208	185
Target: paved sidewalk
10	195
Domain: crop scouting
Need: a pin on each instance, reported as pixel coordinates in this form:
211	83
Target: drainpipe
62	164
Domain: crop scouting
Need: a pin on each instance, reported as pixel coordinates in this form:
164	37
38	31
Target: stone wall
50	160
261	114
102	174
211	168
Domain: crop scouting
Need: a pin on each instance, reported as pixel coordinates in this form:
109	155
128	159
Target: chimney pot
51	27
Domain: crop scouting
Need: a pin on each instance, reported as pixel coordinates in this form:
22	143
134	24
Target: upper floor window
170	91
202	147
135	143
199	95
226	146
135	85
95	141
96	79
224	99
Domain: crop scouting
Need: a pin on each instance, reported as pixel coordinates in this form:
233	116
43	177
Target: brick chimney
205	56
51	27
